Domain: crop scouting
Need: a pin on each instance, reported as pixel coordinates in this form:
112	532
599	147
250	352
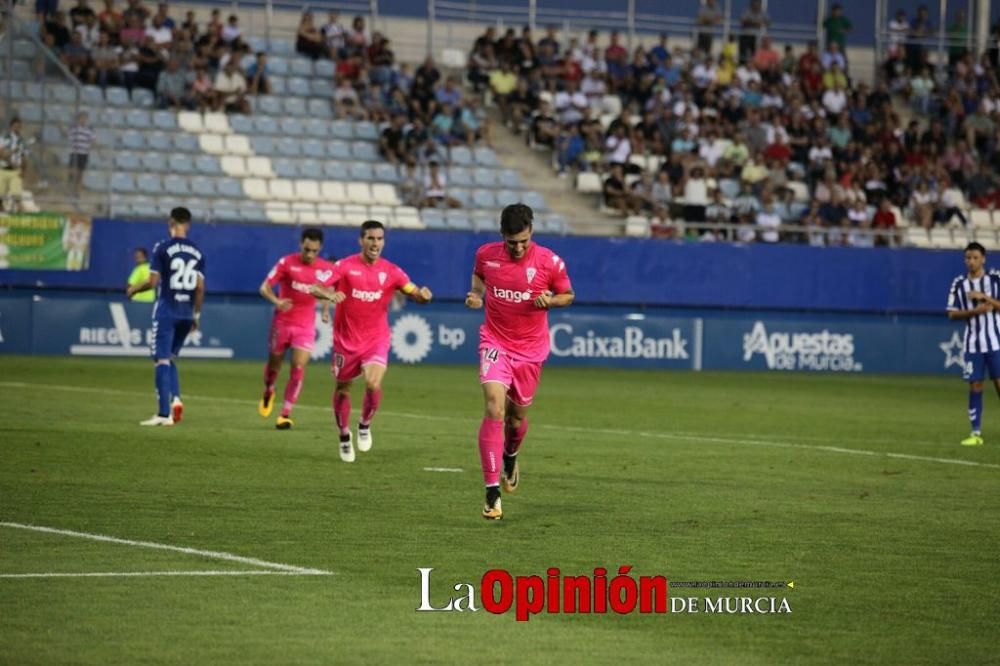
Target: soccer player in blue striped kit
975	299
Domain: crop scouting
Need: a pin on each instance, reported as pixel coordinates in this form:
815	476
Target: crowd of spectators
747	134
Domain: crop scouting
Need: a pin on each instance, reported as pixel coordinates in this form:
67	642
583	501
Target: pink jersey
512	320
362	319
294	278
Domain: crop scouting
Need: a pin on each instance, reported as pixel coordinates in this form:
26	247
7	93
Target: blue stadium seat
61	93
482	221
282	47
252	212
536	201
461	155
486	157
181	163
269	105
142	97
460	177
291	126
464	196
342	129
128	161
117	96
301	67
123	182
336	171
186	142
310	169
32	89
176	185
313	148
363	150
149	183
361	171
285	167
96	181
108	117
316	127
241	124
21	70
60	113
458	219
322	89
133	140
386	173
30	112
289	147
101	160
279	85
53	135
230	187
257	44
299	87
209	165
507	197
225	211
144	207
338	150
199	208
325	69
511	179
154	162
367	131
166	120
266	125
161	141
320	108
203	187
139	118
485	177
24	49
433	218
277	66
263	145
296	106
484	199
92	95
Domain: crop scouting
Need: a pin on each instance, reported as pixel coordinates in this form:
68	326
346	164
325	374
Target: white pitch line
679	436
443	469
149	574
211	554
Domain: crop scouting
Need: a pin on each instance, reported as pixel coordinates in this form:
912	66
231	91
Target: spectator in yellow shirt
140	274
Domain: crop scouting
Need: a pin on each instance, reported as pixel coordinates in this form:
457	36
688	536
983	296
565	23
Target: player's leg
277	343
296	375
524	383
374	373
345	370
495	376
975	369
162	343
181	330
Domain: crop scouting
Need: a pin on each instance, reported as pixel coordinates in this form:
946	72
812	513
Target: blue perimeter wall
604	271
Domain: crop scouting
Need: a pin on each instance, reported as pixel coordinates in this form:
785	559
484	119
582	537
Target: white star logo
952	351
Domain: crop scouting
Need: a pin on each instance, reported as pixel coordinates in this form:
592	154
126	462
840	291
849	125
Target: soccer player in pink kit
518	281
294	322
364	285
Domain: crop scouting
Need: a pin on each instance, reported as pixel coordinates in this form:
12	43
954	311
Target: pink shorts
520	377
349	366
284	335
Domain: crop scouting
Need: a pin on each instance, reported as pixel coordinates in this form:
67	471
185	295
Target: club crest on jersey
531	274
323	276
381	278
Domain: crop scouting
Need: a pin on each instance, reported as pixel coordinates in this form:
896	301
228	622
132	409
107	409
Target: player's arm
327	293
267	291
199	299
325	312
549	300
418	295
150	283
474	299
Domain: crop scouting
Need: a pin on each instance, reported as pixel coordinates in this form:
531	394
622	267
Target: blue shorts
976	364
168	337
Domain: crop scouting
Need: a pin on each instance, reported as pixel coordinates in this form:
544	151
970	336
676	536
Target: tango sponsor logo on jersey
301	286
121	339
511	295
632	343
801	350
366	296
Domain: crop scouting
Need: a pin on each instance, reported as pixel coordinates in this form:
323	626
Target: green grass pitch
854	488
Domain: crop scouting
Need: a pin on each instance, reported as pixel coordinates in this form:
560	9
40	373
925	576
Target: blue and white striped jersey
982	332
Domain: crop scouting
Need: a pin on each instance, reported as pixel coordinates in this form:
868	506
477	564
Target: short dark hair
368	225
180	215
143	251
976	246
515	218
313	234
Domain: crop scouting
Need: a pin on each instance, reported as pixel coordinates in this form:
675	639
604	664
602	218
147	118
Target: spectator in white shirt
835	99
230	90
